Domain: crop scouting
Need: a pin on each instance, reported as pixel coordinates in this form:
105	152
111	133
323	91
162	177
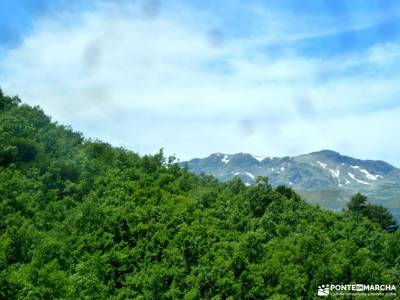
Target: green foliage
80	219
379	214
357	203
376	213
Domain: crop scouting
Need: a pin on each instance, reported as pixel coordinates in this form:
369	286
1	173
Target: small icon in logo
323	290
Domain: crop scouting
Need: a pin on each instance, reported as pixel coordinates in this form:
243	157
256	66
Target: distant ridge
325	177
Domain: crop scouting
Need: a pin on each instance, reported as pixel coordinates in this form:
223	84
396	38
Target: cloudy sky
271	78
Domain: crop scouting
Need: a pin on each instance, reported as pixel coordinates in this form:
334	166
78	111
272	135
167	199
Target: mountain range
325	177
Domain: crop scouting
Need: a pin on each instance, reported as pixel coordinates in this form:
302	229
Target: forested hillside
80	219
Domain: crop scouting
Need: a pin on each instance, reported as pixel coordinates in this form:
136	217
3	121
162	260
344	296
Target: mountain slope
325	177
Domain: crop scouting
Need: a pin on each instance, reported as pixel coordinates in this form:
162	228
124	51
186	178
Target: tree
379	214
357	203
376	213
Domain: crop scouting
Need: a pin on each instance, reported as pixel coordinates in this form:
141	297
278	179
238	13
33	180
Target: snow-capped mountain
324	177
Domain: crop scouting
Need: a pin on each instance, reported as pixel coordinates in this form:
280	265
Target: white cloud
151	82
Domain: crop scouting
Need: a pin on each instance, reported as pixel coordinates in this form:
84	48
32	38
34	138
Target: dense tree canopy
80	219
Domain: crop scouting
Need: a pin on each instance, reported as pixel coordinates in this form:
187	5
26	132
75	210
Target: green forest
80	219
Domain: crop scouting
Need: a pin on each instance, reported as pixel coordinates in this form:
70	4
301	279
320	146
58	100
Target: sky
270	78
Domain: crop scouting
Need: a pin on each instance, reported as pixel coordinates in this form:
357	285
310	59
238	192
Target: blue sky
271	78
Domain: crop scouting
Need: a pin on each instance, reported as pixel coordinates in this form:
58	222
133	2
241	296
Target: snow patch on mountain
370	176
225	159
335	173
244	173
250	175
323	165
259	158
358	180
